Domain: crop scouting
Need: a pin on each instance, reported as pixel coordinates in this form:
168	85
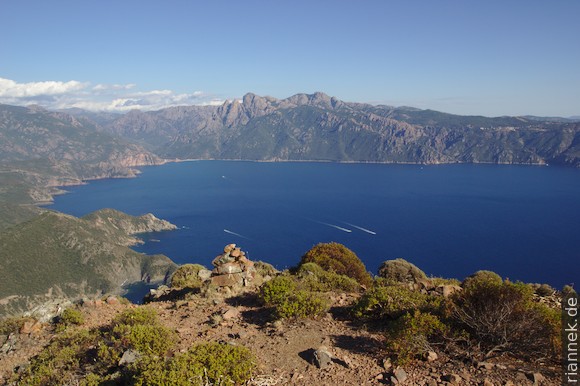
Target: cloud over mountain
100	97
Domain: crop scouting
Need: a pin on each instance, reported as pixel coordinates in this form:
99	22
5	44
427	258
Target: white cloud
100	97
11	89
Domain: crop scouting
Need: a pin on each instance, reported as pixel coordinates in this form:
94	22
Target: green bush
265	269
187	276
413	333
139	315
70	317
389	302
140	329
504	318
205	363
56	363
337	258
291	302
146	338
13	324
482	278
314	278
401	271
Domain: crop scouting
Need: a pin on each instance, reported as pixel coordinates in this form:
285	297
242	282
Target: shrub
412	334
70	317
389	302
54	363
544	290
482	278
139	315
205	363
140	329
337	258
187	276
289	301
503	318
314	278
264	269
13	324
401	271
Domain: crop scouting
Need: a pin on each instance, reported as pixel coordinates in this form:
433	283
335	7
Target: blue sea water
522	222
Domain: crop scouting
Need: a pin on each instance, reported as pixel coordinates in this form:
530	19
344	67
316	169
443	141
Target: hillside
318	127
55	257
41	150
306	326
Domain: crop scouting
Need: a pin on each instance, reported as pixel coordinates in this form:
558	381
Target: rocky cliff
319	127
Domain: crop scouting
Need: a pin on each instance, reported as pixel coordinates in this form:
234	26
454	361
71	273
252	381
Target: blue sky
466	57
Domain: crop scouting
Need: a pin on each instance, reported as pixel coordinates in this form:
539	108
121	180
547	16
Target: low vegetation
186	276
482	317
337	258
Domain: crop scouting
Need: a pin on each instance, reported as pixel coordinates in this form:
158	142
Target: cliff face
319	127
56	256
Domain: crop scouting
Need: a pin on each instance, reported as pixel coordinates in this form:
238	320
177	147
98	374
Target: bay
522	222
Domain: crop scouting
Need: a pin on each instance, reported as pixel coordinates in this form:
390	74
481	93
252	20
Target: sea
522	222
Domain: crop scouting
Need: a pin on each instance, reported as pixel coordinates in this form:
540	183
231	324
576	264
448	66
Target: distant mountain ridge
319	127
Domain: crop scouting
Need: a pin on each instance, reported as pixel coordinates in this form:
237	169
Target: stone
387	364
222	259
509	383
400	375
454	379
204	274
322	357
112	301
227	280
431	382
130	356
232	313
448	290
228	248
537	378
485	365
236	252
487	382
30	327
228	268
431	356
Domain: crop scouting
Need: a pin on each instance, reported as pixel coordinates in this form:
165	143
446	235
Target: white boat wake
235	234
361	228
335	226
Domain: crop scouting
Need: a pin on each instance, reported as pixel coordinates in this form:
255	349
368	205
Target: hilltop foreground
246	323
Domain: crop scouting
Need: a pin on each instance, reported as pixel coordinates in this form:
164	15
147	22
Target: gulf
522	222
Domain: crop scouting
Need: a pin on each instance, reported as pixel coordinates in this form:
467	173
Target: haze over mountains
41	150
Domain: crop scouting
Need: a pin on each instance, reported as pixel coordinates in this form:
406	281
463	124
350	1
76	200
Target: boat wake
235	234
335	226
361	228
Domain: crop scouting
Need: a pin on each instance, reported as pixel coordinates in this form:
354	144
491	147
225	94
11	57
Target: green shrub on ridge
335	257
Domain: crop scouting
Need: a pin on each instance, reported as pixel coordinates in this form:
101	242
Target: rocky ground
328	351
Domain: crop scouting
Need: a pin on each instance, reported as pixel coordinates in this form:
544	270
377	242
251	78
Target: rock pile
232	268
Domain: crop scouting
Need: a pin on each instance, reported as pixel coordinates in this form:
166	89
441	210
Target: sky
492	58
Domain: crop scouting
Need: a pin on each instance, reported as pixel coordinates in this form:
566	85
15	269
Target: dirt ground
285	349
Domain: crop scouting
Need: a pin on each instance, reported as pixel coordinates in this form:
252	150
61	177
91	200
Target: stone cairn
232	268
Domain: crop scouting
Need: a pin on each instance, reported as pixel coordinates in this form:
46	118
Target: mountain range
319	127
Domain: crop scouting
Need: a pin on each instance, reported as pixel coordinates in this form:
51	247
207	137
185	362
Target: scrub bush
186	276
400	271
205	363
413	333
502	317
290	301
337	258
